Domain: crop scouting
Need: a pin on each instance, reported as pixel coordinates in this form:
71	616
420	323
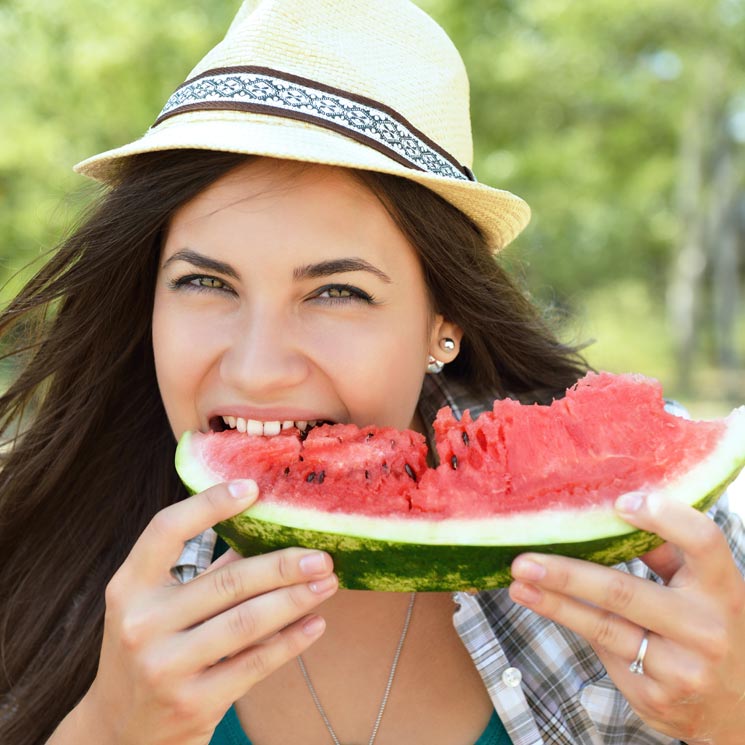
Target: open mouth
266	429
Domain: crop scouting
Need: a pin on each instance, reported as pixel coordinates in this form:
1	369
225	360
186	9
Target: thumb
163	539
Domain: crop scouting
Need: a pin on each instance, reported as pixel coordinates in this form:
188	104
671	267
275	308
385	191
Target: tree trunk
684	289
724	249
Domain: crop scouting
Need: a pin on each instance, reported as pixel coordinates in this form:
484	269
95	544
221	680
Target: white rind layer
542	526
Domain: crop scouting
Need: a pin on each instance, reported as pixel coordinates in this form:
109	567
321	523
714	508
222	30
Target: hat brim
499	214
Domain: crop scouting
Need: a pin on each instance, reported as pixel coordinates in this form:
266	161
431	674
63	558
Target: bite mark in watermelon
518	478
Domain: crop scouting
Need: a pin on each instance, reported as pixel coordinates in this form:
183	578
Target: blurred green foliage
580	107
82	76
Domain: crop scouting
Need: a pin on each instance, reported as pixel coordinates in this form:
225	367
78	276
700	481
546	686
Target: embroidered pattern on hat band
266	91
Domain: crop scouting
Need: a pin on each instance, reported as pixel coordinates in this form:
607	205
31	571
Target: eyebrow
203	262
338	266
308	271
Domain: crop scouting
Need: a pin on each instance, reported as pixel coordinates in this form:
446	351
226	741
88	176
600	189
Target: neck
359	618
369	623
349	667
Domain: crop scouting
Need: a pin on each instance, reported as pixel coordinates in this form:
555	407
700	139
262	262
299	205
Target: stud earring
434	366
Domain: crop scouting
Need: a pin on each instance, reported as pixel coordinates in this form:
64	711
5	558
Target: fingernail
528	569
243	489
324	585
630	503
314	626
315	563
525	594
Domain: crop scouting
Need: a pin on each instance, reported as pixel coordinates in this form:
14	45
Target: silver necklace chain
388	686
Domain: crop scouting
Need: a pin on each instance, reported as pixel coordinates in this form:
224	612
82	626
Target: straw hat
369	84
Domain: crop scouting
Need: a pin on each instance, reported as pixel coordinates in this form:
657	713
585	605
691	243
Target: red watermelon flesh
334	467
610	434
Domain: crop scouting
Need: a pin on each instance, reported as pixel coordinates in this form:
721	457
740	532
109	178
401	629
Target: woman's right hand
175	657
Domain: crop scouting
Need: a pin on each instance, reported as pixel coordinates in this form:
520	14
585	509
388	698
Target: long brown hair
88	457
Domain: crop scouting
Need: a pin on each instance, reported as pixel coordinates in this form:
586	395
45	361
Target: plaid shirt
545	681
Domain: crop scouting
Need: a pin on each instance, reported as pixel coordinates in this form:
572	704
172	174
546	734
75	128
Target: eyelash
190	282
355	294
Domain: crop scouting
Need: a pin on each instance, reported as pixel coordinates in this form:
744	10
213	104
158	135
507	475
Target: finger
617	640
601	628
253	621
231	678
665	561
611	593
237	581
657	702
703	544
227	558
163	539
672	678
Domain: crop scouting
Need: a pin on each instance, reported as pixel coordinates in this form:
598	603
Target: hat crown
386	50
372	85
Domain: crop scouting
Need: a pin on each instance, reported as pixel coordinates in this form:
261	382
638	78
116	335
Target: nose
263	357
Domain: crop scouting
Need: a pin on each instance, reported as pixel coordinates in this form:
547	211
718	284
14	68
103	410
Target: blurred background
621	122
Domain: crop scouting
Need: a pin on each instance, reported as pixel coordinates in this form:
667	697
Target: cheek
377	370
180	363
397	383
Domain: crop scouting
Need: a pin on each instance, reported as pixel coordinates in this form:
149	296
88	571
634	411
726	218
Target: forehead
293	210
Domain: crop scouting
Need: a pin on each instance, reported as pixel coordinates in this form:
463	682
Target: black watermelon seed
287	471
454	462
310	477
321	477
410	471
369	435
465	439
367	474
300	458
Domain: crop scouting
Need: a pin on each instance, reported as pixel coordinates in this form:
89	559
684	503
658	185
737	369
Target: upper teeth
256	427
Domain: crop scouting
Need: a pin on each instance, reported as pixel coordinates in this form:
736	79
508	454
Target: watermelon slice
517	478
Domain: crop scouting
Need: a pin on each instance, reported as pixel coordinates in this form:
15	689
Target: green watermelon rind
385	555
370	564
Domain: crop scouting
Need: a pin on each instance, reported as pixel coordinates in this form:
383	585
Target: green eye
199	283
209	282
338	292
341	293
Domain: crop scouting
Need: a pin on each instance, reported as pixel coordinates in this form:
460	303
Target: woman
297	238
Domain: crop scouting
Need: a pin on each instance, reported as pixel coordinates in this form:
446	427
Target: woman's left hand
693	686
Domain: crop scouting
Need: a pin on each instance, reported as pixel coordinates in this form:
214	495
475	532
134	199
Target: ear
441	330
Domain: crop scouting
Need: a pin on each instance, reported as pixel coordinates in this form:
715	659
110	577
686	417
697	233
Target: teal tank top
230	732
